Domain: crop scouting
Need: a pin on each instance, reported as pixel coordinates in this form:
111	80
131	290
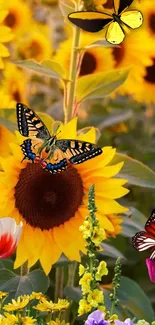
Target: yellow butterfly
116	22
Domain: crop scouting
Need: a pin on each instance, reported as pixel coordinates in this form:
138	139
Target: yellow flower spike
85	282
81	269
101	270
84	307
95	297
53	206
98	236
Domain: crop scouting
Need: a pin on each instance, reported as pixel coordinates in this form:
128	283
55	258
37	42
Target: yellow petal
68	131
112	193
107	206
50	252
4	51
5	34
89	136
21	254
105	223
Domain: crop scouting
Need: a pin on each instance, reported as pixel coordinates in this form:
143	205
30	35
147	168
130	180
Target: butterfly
116	22
58	152
146	239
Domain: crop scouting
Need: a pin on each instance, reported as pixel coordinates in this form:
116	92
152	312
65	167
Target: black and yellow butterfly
116	22
59	152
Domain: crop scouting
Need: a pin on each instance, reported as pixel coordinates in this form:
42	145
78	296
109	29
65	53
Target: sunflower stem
72	75
24	270
59	283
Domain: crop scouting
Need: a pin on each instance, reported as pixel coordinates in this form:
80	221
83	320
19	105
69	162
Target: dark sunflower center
152	22
48	200
16	96
34	49
88	64
118	53
10	20
150	73
109	4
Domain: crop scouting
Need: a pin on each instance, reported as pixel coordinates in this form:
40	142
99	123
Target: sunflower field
77	162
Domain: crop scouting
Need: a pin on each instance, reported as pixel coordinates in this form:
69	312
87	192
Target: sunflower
14	83
148	10
144	93
95	59
132	53
18	16
5	36
53	206
34	43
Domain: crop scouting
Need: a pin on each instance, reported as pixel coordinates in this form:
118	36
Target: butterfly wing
28	152
90	21
132	18
78	151
121	5
115	33
29	123
57	164
150	224
143	240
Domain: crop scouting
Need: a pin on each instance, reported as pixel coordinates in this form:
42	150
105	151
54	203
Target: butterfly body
146	239
115	22
52	154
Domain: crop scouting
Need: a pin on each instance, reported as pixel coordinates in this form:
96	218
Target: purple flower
128	321
96	318
151	268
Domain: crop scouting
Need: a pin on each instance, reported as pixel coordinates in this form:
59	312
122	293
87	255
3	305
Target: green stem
73	75
24	270
59	283
71	274
113	302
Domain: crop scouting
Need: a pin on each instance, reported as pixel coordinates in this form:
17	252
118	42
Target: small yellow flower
44	305
85	282
101	270
28	321
3	320
16	304
12	319
62	304
37	295
57	322
3	294
84	307
98	235
95	297
81	269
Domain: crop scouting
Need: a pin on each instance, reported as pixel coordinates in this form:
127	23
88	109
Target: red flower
9	236
151	268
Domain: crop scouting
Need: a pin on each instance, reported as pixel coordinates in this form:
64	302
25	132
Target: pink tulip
151	268
9	236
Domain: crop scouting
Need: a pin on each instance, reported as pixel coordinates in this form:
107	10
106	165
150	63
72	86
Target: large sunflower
148	10
53	206
94	60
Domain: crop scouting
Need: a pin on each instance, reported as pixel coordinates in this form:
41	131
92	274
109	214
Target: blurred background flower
9	236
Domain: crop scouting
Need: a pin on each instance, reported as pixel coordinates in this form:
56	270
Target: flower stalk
72	75
116	284
24	270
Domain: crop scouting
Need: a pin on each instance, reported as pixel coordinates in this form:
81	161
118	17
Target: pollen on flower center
118	53
152	22
10	20
88	64
48	200
150	73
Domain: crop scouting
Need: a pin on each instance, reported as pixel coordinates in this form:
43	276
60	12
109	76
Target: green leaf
110	251
18	285
101	42
73	293
100	85
133	224
47	68
114	119
135	171
66	8
134	301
